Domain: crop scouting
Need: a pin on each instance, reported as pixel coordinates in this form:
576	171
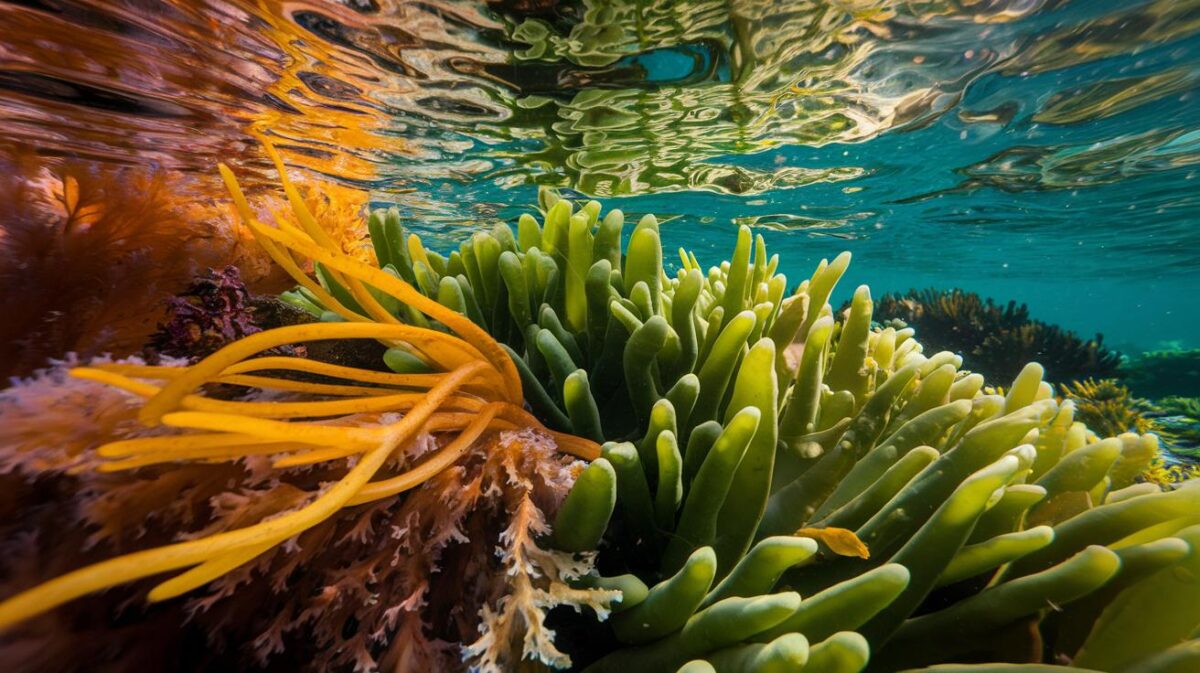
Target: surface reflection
882	123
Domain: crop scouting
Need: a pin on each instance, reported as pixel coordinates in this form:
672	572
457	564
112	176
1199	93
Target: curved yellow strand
141	564
133	447
443	458
210	367
293	239
272	531
308	433
284	363
314	409
334	371
281	257
218	454
402	291
204	573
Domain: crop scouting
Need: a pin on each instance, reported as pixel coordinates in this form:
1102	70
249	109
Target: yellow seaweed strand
150	562
293	386
405	293
281	257
264	534
306	219
133	447
443	458
322	238
334	371
176	389
232	452
430	346
308	433
282	363
204	573
395	401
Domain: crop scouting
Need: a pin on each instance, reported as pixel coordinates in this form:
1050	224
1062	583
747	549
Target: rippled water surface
1038	150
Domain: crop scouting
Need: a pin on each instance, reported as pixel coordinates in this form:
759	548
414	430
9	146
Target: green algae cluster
782	488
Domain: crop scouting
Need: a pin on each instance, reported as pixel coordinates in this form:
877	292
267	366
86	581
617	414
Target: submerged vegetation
1107	407
87	254
365	436
1164	373
768	487
215	310
997	340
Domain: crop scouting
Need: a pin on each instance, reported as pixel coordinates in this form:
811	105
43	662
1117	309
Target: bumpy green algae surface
750	431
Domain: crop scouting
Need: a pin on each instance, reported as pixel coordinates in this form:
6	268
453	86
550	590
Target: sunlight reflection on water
1043	145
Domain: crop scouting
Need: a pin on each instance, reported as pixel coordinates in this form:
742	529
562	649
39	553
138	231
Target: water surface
1038	150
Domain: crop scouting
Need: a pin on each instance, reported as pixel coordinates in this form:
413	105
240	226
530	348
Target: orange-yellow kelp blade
324	251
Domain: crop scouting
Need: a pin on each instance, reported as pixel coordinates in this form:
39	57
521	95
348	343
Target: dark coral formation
997	340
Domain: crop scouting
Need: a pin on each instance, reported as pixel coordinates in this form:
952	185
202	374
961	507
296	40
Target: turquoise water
1043	151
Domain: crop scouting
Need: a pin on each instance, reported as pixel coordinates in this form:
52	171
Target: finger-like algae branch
978	511
773	448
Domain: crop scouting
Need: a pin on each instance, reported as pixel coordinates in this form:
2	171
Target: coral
1107	407
1164	373
317	428
998	340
